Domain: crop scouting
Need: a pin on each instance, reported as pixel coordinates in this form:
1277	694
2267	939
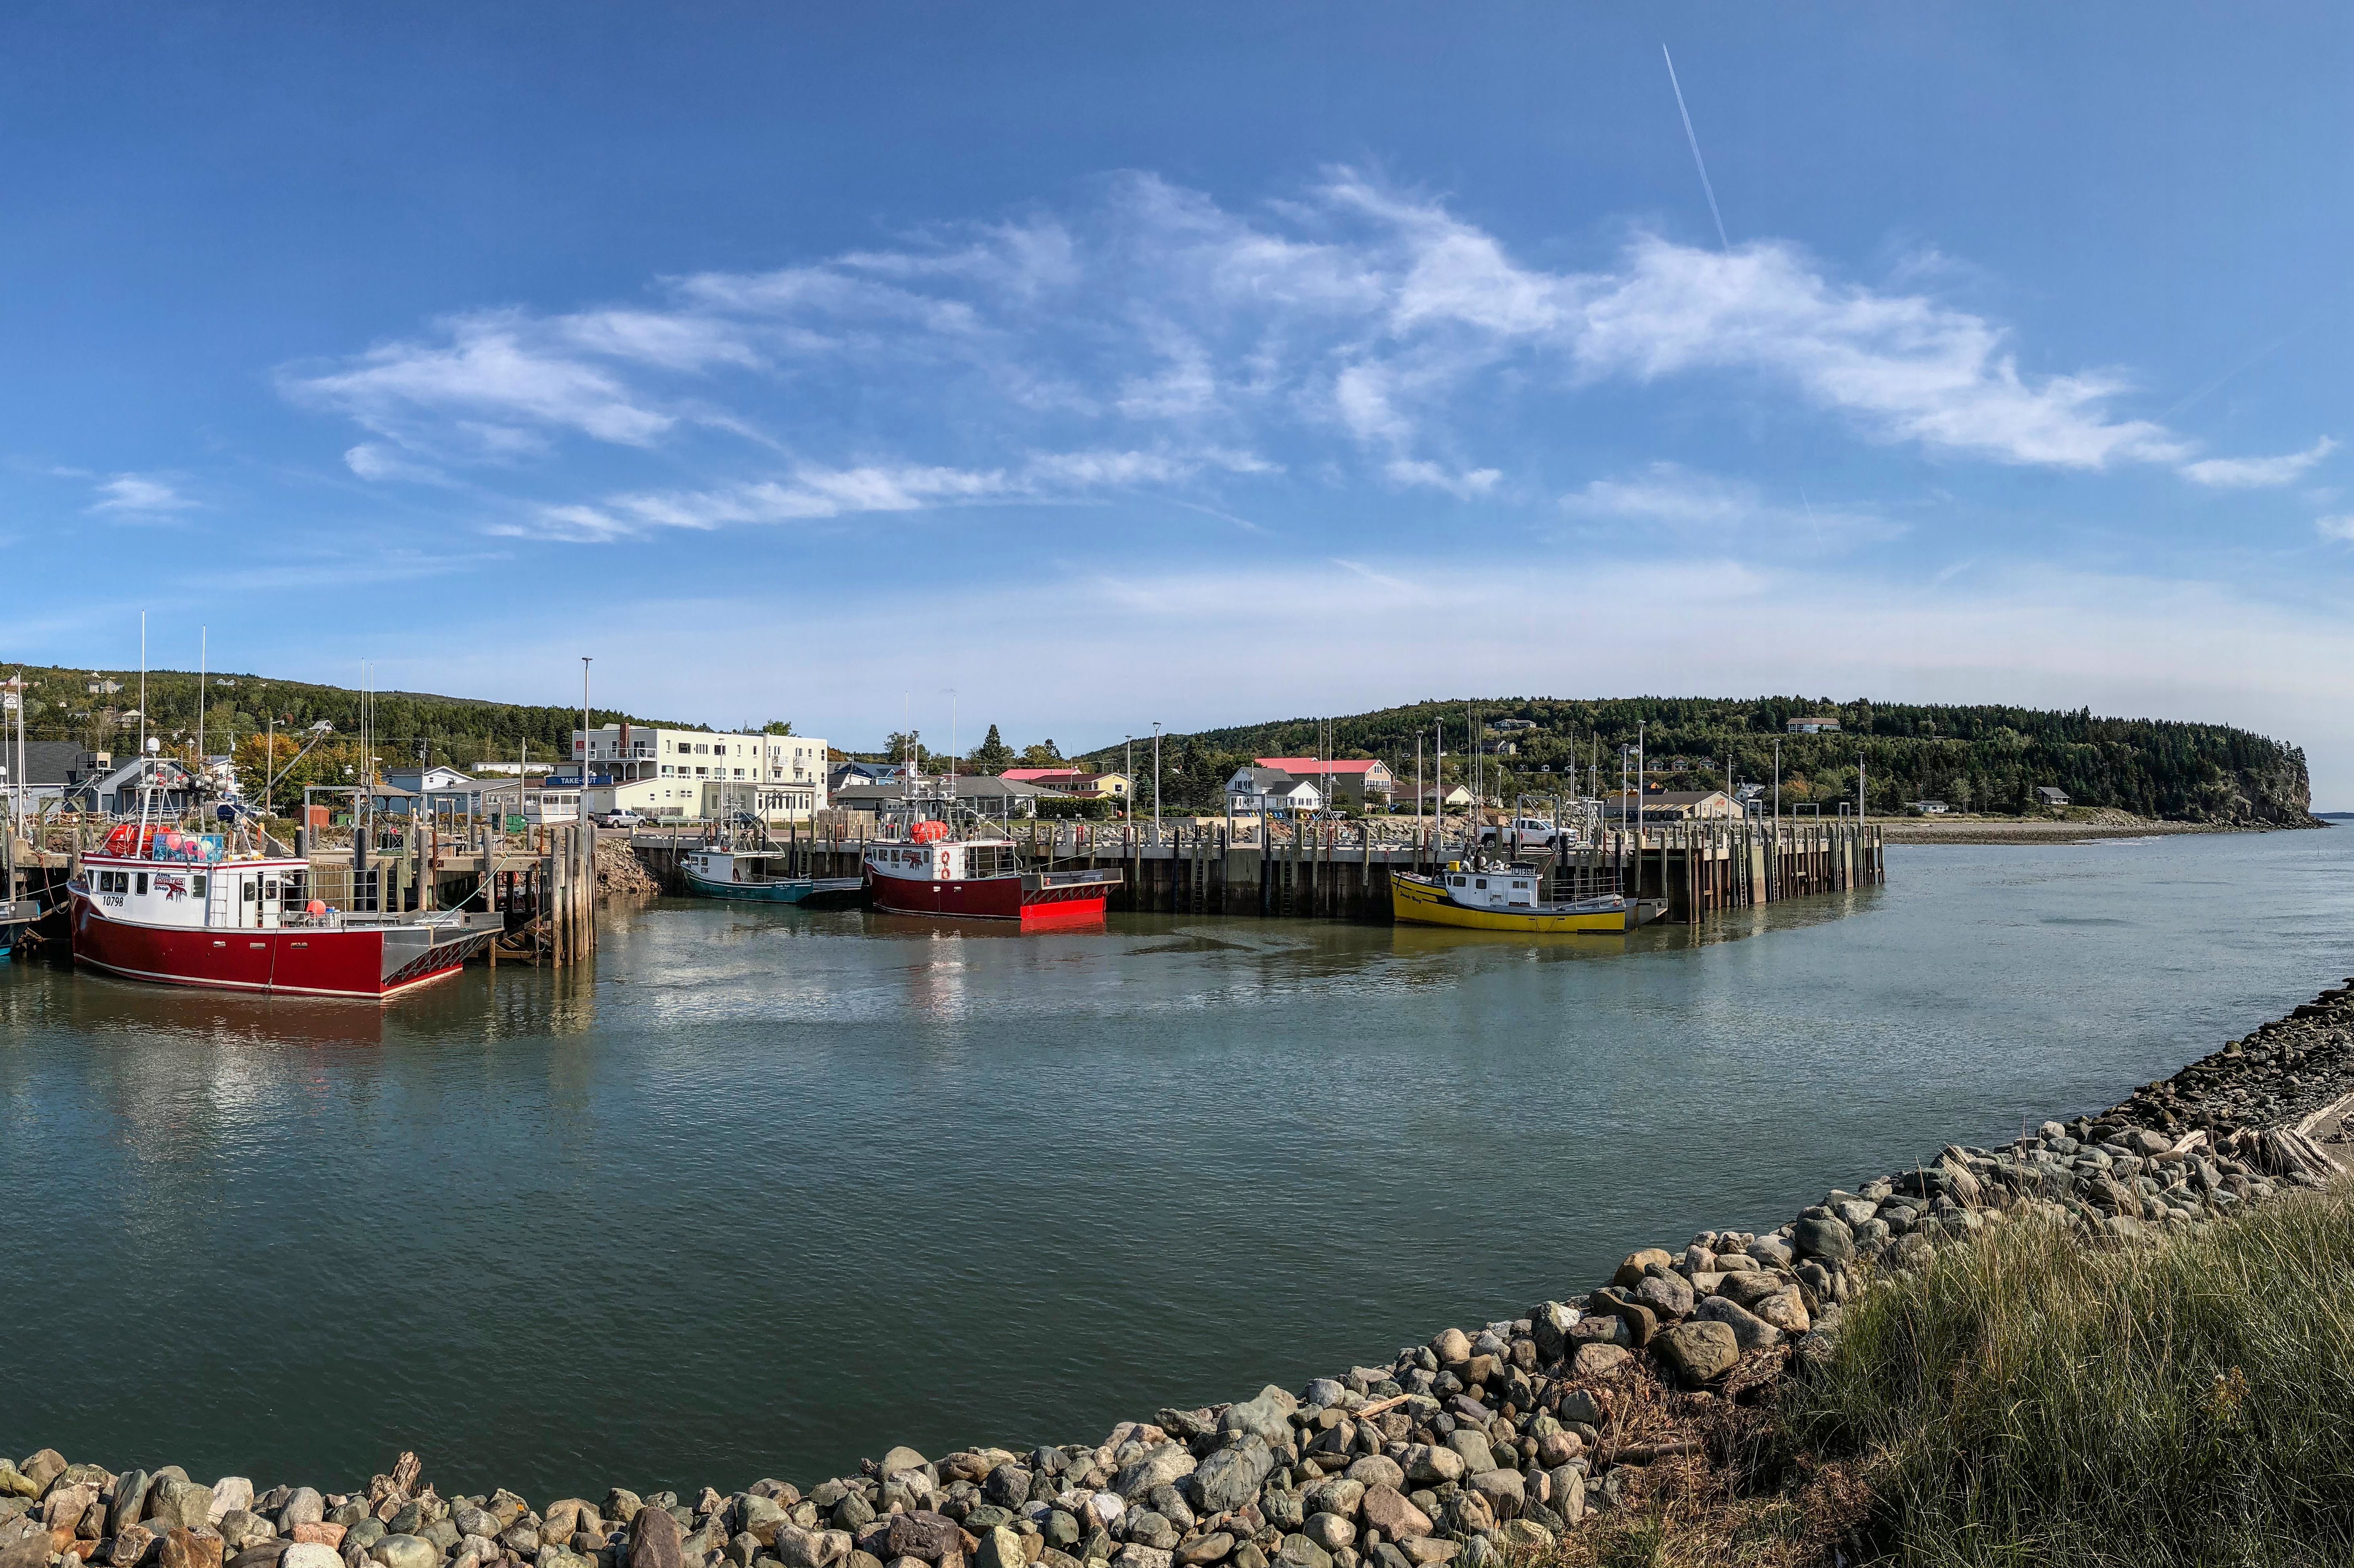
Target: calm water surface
768	1190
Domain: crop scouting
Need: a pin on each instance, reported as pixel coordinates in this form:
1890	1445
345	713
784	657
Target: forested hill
457	730
1976	758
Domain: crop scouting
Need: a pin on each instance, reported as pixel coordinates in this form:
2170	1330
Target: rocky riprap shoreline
1479	1444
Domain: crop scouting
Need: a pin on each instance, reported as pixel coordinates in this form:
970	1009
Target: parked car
1522	834
623	819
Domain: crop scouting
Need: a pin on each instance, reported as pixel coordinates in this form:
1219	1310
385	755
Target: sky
1081	367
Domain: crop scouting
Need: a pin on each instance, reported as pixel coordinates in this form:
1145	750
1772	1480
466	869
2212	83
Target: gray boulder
1232	1476
1750	1333
1268	1415
1163	1464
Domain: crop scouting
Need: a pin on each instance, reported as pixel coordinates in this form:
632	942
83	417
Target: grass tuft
2024	1399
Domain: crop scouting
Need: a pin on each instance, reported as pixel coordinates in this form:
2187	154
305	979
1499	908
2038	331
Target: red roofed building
1041	775
1360	781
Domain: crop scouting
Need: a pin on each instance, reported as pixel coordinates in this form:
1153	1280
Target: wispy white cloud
139	495
1703	508
2258	474
2340	529
1355	327
380	461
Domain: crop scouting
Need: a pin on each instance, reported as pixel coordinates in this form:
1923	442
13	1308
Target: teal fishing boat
746	875
14	917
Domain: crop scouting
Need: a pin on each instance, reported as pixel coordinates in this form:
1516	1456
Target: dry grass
2024	1399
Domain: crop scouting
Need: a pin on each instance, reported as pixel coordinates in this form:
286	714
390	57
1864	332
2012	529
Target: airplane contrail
1697	162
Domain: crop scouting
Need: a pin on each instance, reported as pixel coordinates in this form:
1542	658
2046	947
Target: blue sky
1195	366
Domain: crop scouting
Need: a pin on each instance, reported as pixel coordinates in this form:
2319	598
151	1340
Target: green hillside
1983	758
460	731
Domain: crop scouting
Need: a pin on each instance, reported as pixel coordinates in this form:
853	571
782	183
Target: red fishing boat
933	871
156	903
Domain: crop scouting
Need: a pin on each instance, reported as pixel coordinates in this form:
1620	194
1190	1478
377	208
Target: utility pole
1156	781
203	648
1127	768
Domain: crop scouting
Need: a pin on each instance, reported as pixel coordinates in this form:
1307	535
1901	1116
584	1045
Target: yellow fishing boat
1505	898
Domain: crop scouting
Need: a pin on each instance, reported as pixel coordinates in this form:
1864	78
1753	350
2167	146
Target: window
203	884
1455	882
143	885
247	889
1483	882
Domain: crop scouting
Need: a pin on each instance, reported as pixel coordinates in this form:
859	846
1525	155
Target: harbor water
764	1190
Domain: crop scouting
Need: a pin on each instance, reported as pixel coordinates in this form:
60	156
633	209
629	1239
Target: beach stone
131	1543
403	1550
1282	1510
1771	1251
1786	1310
42	1469
241	1525
14	1483
1825	1238
1630	1272
1000	1548
1334	1494
1750	1333
302	1506
322	1533
1231	1477
1205	1549
1568	1497
1134	1555
309	1554
900	1458
184	1548
179	1502
1424	1550
1103	1512
130	1494
1165	1464
1428	1465
1668	1295
1147	1527
1549	1326
655	1540
1390	1513
1378	1470
931	1536
1476	1456
1330	1530
1299	1552
65	1504
1698	1352
1452	1347
1504	1491
1598	1361
229	1492
1748	1290
1267	1416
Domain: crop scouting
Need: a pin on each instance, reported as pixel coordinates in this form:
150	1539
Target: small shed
2045	795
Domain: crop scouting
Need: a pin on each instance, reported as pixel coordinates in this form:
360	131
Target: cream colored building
699	773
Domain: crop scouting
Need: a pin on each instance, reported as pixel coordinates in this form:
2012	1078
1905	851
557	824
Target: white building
1271	791
699	773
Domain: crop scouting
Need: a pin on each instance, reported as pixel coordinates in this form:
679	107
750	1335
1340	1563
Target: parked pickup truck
1522	834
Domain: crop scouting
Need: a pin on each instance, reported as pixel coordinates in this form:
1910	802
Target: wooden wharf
1336	870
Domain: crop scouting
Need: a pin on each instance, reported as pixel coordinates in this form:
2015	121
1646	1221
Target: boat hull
1032	900
1416	900
370	962
791	892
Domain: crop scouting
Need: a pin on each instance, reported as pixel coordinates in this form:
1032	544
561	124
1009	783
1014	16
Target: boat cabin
945	859
1498	889
254	896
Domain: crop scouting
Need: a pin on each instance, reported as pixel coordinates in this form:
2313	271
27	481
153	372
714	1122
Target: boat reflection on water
101	1002
942	928
1421	941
